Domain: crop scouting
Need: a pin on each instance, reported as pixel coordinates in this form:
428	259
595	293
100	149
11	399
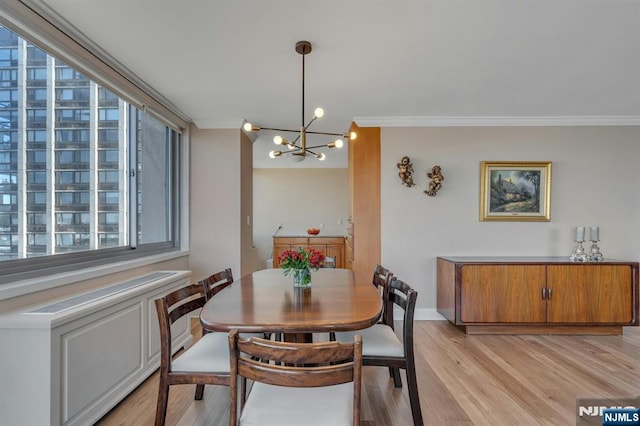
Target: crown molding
470	121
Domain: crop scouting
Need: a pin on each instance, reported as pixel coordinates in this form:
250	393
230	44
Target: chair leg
199	392
395	373
161	407
414	398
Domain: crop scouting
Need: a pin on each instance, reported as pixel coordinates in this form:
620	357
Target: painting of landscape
515	191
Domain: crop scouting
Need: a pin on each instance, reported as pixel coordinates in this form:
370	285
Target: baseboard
425	314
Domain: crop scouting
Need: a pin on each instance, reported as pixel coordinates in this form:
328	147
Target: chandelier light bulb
298	149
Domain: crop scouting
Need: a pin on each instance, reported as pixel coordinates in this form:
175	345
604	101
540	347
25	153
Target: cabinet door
590	294
502	294
281	244
277	251
336	251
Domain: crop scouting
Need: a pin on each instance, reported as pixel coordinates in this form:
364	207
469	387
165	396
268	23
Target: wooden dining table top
266	301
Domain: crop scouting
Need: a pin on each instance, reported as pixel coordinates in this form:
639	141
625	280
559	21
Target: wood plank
463	380
365	200
446	291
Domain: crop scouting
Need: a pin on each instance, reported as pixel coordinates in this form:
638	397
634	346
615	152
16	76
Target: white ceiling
375	61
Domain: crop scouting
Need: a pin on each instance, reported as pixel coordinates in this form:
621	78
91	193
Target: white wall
217	220
595	181
298	199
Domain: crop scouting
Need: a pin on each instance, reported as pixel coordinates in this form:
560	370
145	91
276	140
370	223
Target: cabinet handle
545	293
549	293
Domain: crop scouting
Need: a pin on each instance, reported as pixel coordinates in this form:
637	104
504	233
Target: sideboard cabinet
537	295
329	246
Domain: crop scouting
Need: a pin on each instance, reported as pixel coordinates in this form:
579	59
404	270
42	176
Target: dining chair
381	278
381	346
204	362
215	283
329	262
305	383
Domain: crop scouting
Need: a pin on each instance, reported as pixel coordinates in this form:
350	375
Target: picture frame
515	191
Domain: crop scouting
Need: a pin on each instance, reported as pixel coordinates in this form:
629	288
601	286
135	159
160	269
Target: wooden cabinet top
308	236
519	260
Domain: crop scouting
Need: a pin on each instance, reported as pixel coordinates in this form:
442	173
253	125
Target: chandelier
297	148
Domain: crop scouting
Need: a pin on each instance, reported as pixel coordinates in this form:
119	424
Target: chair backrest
381	278
329	262
170	308
216	282
295	365
402	295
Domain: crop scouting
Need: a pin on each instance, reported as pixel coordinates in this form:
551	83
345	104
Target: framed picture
515	191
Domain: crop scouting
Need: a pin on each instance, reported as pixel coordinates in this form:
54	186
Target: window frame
19	277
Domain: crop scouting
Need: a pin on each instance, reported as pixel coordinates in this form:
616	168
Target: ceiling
375	62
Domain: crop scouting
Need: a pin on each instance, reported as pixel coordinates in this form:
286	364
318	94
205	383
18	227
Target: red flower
300	258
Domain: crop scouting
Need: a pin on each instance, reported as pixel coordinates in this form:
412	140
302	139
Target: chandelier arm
279	130
310	122
302	117
326	145
325	133
304	48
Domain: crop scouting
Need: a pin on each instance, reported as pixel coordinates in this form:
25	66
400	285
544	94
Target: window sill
28	286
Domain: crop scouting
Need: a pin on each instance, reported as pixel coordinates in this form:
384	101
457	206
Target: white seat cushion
248	335
269	405
377	340
209	354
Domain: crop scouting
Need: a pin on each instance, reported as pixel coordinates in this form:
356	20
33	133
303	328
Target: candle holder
578	255
594	252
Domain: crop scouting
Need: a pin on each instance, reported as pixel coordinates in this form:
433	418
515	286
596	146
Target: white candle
594	231
580	233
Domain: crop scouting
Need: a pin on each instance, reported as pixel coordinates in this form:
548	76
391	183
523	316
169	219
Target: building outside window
83	170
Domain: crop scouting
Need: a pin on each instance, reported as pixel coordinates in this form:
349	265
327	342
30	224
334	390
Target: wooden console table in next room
537	295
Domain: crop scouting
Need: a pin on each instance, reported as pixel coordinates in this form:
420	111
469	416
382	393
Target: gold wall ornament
436	181
405	171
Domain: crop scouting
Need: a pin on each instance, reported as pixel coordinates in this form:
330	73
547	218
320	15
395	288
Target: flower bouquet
299	262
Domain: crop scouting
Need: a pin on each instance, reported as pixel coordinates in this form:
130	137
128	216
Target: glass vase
301	277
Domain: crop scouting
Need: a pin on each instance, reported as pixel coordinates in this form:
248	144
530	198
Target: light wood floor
463	380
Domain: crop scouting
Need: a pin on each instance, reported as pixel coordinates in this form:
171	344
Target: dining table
266	301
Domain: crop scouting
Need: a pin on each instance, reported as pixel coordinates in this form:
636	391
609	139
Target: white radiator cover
70	362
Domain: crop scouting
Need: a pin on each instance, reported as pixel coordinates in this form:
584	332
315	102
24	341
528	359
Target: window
8	78
34	74
36	197
99	173
9	98
8	57
106	114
